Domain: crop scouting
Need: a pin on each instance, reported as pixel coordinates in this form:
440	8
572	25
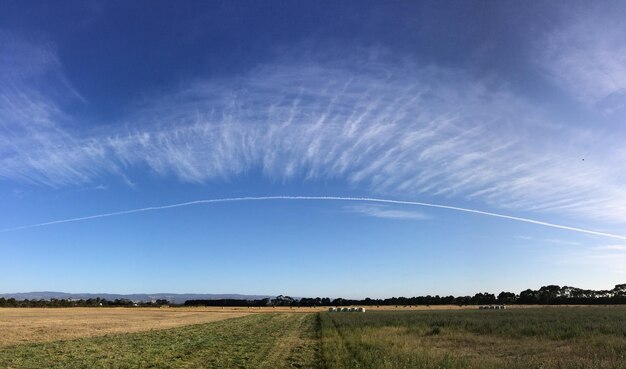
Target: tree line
91	302
546	295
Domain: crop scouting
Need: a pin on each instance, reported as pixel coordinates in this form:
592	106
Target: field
28	325
590	337
254	341
574	337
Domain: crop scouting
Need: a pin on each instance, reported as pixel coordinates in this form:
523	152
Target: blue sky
511	108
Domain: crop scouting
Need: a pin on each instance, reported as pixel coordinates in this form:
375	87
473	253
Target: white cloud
381	128
524	237
34	146
586	55
611	248
559	241
385	212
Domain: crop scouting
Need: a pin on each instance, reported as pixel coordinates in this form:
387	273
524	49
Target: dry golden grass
26	325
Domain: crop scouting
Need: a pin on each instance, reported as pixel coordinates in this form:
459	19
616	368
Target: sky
508	116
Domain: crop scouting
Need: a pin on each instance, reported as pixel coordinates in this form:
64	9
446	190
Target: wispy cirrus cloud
385	212
586	55
611	248
415	131
556	241
381	127
35	144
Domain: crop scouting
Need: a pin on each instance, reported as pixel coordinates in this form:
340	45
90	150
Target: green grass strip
263	340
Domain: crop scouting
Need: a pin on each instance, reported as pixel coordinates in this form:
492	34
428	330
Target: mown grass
524	338
592	337
255	341
30	325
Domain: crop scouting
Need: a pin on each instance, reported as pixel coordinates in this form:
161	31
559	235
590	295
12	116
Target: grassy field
589	337
254	341
28	325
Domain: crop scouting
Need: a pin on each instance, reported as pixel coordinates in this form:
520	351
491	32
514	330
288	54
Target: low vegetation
556	337
254	341
589	337
20	325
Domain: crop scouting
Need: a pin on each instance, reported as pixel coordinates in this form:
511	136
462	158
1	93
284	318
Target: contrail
315	198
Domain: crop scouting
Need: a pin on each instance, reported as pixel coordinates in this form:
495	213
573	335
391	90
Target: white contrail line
315	198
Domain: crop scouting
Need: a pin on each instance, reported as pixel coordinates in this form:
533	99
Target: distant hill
177	298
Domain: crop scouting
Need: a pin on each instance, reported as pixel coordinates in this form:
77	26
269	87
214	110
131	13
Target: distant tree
619	290
483	298
528	297
281	300
127	302
463	300
619	294
447	300
549	294
506	297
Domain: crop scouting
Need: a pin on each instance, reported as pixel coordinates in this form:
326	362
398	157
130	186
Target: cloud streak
317	198
586	55
612	248
380	127
385	212
35	145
